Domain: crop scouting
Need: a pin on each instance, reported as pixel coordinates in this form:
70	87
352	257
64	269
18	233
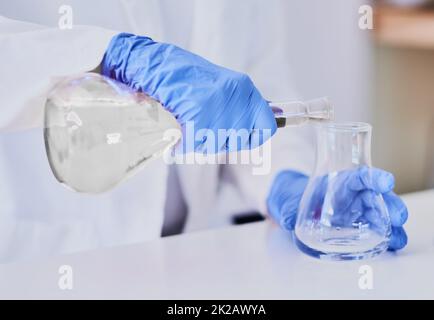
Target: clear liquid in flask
336	220
98	132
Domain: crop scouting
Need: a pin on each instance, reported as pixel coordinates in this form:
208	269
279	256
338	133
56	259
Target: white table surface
254	261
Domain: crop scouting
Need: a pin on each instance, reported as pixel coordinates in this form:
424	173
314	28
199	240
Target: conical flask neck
343	146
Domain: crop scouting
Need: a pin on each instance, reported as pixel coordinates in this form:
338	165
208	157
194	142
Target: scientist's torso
40	217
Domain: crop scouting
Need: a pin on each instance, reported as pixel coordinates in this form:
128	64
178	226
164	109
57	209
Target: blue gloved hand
193	89
357	190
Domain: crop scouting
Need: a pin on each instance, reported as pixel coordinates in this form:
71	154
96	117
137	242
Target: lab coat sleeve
32	57
289	149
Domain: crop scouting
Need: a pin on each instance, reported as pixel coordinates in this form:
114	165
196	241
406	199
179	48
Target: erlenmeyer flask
99	132
340	216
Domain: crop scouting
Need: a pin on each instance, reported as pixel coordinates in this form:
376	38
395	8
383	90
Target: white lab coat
38	216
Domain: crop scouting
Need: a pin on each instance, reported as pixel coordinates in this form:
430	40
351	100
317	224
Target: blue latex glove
193	89
357	190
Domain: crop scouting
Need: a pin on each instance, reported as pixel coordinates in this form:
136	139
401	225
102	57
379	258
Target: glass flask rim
347	126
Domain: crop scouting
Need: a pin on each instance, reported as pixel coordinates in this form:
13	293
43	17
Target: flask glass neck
342	146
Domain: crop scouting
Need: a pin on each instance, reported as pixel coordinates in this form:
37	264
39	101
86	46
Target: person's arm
289	148
33	56
219	109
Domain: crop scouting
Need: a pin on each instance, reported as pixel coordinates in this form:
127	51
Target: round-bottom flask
98	132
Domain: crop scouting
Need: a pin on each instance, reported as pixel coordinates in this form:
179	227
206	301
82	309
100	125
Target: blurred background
384	76
403	109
